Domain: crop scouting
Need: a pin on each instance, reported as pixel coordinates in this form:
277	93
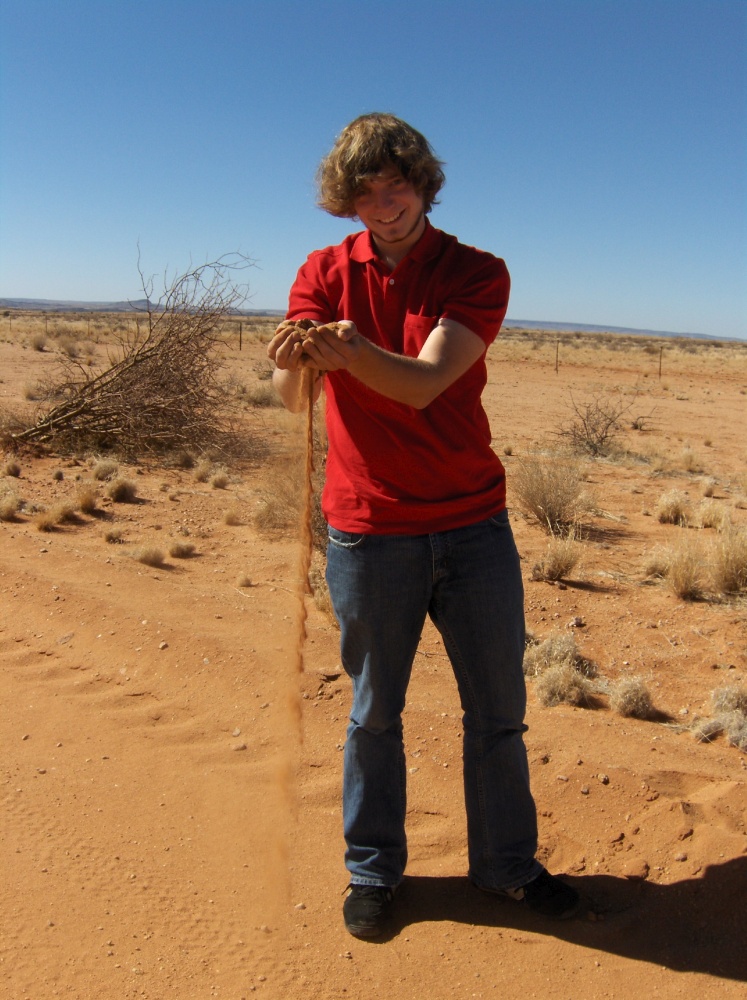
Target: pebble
604	778
681	856
585	790
236	732
163	645
239	746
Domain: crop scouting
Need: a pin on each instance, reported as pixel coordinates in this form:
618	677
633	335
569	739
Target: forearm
290	386
413	381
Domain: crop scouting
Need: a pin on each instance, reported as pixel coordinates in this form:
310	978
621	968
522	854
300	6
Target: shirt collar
428	246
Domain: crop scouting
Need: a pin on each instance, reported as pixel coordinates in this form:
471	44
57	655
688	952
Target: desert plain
170	802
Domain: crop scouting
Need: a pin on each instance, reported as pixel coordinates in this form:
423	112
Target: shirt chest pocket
415	333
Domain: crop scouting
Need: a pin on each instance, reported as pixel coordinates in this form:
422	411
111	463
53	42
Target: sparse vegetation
673	508
11	468
631	698
149	555
164	389
181	550
595	424
550	490
104	469
730	561
122	491
560	559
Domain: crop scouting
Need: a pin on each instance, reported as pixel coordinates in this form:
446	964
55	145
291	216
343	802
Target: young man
415	502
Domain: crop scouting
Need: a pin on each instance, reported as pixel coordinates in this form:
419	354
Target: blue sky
599	146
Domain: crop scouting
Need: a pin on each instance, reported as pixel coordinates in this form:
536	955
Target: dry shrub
690	461
631	698
219	481
262	396
550	491
556	651
244	581
232	518
686	570
712	514
732	698
46	520
560	559
673	508
113	536
729	566
9	506
58	475
122	491
203	470
149	555
656	562
104	469
732	725
595	424
87	498
163	388
11	468
38	341
709	487
562	684
181	550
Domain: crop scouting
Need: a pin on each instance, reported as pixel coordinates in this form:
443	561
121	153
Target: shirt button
391	281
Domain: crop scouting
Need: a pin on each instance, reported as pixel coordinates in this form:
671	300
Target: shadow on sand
696	925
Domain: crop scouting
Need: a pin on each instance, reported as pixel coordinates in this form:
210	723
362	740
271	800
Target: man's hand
327	347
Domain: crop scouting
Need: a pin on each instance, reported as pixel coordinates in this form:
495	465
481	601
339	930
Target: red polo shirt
392	469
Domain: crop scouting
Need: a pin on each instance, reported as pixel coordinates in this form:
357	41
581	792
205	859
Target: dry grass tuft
631	698
219	481
686	570
244	581
232	518
122	491
560	559
181	550
550	491
113	536
560	684
11	468
656	562
729	568
732	698
203	470
104	469
87	498
149	556
673	508
712	514
9	506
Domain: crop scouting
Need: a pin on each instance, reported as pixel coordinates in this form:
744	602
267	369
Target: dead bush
562	683
560	559
686	574
595	423
673	508
104	469
149	556
11	468
631	698
729	561
122	491
181	550
9	505
550	491
163	389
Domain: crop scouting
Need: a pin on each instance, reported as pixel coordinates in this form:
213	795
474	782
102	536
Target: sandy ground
170	828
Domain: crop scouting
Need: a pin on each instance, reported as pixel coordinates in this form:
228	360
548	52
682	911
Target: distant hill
137	305
141	305
531	324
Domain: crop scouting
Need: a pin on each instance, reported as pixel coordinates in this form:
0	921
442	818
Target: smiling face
393	211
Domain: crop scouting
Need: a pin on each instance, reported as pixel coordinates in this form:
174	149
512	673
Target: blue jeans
468	581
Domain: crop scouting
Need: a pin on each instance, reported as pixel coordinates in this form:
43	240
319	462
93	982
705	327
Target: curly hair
368	145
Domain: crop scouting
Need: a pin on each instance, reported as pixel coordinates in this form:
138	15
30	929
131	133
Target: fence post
661	352
240	331
557	352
